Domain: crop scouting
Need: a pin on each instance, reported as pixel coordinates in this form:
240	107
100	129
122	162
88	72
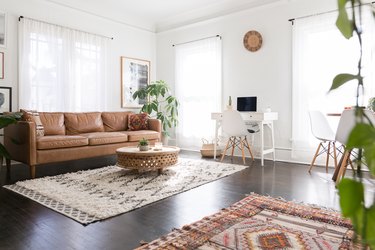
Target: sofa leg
7	162
32	171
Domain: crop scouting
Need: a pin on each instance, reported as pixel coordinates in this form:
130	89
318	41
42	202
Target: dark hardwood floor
24	224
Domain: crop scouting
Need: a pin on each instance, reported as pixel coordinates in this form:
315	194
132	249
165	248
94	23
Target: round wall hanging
252	40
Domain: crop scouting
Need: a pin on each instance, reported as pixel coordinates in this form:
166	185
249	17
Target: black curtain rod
20	17
196	40
292	19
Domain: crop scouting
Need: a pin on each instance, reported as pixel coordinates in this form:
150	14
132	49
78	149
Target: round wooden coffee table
132	158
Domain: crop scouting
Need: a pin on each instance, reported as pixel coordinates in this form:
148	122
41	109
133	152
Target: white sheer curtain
198	88
320	52
61	69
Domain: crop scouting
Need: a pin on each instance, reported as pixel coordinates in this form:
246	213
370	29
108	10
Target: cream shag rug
92	195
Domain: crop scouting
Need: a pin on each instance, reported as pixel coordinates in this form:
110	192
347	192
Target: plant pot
143	148
164	139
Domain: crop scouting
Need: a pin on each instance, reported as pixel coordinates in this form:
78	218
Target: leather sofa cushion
101	138
78	123
60	141
53	123
138	135
115	121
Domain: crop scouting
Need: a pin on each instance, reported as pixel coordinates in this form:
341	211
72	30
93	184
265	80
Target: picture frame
1	65
5	99
3	29
135	75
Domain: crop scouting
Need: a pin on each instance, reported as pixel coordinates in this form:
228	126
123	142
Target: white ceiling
160	15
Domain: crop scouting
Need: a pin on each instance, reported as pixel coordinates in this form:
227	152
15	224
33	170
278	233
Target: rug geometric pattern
92	195
259	222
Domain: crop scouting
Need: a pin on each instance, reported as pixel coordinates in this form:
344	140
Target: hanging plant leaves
343	23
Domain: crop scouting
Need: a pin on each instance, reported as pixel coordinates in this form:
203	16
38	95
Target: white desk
263	119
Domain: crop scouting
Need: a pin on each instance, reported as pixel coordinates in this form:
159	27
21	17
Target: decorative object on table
118	190
352	191
260	222
135	75
371	104
1	65
229	106
3	29
5	99
160	103
158	146
143	145
207	149
253	41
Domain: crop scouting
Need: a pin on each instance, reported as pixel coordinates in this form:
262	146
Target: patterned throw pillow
138	121
33	116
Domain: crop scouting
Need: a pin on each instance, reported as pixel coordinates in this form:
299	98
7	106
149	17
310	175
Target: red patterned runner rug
259	222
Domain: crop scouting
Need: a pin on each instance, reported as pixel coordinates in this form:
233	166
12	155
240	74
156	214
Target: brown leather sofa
72	136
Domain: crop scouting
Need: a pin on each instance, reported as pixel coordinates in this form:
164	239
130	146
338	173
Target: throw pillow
33	116
138	121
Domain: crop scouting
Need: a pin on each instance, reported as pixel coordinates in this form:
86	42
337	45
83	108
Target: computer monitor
247	103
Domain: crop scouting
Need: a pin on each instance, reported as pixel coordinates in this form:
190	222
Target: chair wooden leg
316	155
242	150
225	150
248	147
334	154
343	166
32	171
233	145
8	163
327	160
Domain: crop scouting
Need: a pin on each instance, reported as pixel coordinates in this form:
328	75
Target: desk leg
273	141
262	143
216	135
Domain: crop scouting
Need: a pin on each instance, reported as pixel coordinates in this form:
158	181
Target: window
320	52
61	69
198	88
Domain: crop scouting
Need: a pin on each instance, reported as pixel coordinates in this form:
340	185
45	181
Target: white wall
127	41
266	73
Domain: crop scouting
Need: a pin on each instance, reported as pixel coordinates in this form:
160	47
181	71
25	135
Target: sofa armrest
20	141
155	124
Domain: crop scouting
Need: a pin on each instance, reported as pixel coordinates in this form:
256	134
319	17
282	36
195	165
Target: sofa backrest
115	121
77	123
53	123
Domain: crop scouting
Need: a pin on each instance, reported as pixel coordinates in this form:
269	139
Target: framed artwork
3	26
5	99
135	75
1	65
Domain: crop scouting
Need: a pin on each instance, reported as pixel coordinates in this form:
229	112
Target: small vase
143	148
229	107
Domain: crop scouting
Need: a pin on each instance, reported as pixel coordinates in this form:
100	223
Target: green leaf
4	152
361	136
370	227
369	153
351	196
343	23
341	79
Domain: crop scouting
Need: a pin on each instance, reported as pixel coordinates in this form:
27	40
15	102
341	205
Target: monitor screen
247	103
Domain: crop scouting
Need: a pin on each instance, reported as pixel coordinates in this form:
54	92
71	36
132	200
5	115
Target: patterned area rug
92	195
266	223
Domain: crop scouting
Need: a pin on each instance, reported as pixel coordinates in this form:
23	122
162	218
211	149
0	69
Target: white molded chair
346	124
323	132
234	126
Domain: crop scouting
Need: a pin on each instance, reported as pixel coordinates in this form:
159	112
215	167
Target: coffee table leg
160	171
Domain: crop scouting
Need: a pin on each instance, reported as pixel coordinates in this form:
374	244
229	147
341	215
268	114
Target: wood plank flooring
24	224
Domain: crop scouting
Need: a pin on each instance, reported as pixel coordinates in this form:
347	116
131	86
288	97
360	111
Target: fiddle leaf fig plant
6	120
160	104
362	137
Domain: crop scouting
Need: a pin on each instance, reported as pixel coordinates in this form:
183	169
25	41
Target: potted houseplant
6	120
160	104
362	137
143	145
